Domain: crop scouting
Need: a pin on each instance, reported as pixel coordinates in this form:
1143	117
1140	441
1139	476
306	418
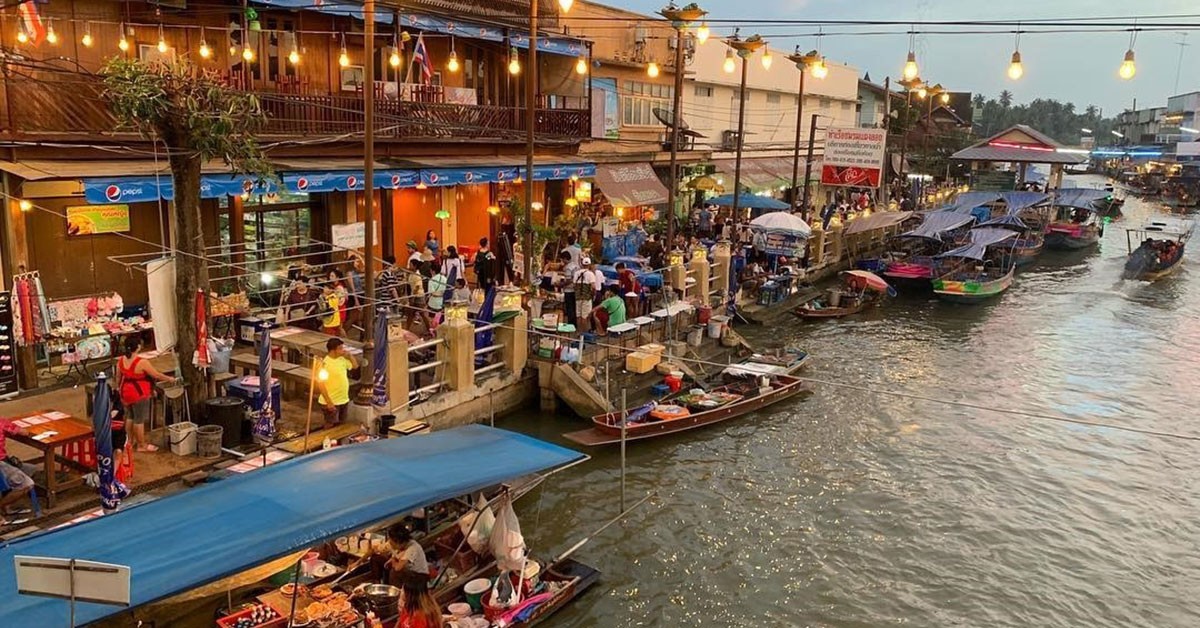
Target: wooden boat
910	261
1074	228
1026	249
669	417
1159	249
979	270
846	304
564	581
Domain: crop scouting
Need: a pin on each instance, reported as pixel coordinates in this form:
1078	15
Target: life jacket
135	386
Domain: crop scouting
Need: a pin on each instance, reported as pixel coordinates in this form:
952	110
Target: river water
858	508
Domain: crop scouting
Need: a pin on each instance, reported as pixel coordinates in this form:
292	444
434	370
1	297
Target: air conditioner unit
729	139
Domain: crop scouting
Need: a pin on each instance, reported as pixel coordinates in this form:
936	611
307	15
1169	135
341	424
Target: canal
857	508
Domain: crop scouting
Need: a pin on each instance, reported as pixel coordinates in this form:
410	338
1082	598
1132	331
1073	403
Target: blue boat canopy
178	543
966	202
981	239
939	222
1019	200
1082	198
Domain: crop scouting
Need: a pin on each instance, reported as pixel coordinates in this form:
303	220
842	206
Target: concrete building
1182	110
1143	126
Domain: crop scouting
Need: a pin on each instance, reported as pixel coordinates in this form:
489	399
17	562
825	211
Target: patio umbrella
379	393
868	279
264	425
112	491
747	200
484	338
782	222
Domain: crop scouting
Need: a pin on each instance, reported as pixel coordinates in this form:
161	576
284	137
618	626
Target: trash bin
229	414
183	438
208	441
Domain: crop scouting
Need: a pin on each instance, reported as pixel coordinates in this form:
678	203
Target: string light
581	66
767	59
343	56
162	41
51	36
123	43
205	51
248	53
452	63
702	33
514	64
652	70
87	40
24	205
729	65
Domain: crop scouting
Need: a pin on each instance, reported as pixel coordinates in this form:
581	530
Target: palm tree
1006	99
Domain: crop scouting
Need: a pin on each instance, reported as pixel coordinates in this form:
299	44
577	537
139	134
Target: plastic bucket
183	438
474	592
716	325
703	314
208	441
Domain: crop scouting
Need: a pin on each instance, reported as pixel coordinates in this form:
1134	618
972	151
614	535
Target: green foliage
542	236
188	108
1060	121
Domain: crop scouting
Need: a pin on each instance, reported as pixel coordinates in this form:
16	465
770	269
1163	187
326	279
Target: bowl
459	610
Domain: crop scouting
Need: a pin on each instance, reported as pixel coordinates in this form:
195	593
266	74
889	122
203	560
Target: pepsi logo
450	27
558	172
434	177
470	177
113	192
351	182
395	180
247	185
302	183
500	175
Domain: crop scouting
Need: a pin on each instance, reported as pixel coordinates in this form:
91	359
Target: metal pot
384	599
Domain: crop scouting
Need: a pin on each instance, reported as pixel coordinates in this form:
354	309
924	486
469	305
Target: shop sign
323	181
94	219
351	235
853	157
99	191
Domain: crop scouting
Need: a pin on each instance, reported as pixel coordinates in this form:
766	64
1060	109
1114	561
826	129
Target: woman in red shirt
418	609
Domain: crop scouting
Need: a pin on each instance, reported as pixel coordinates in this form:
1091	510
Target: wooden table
70	430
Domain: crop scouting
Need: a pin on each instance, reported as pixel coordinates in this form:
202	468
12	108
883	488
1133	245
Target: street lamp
680	19
744	48
809	61
911	86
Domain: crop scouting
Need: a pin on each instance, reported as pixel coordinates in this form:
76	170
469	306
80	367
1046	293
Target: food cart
229	540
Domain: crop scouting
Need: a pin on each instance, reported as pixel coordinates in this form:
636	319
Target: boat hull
971	291
1066	242
1025	255
1154	274
909	277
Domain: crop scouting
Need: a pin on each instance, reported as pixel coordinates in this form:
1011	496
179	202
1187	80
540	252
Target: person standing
573	249
301	306
329	307
137	391
431	243
485	267
452	264
413	253
584	281
704	222
387	285
335	388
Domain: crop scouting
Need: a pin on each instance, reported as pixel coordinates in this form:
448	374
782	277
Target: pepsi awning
178	543
102	190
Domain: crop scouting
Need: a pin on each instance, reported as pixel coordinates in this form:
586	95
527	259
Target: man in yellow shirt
335	388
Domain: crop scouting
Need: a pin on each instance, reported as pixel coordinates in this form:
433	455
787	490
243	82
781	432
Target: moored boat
861	289
1076	224
688	411
980	270
910	263
1159	249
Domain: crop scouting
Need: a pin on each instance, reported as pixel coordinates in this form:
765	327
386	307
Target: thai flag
31	22
264	426
421	59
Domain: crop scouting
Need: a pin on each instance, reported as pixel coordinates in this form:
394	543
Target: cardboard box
653	348
638	362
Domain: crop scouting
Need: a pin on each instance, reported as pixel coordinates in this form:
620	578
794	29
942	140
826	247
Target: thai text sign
854	157
93	219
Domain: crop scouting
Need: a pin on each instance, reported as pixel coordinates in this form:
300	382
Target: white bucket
716	326
183	438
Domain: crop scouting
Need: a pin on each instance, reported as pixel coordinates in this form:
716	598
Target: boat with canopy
1076	223
909	262
1156	248
219	532
978	270
1024	214
860	289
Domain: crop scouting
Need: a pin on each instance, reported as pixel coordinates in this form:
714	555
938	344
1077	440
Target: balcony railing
50	108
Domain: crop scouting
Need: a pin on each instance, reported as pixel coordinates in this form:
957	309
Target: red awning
630	185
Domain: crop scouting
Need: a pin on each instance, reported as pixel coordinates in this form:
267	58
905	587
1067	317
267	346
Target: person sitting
15	483
461	291
418	608
611	310
407	556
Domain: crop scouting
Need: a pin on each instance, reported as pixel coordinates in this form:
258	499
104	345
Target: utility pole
369	180
676	118
530	122
808	160
887	159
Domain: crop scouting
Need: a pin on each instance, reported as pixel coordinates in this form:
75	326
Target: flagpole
312	384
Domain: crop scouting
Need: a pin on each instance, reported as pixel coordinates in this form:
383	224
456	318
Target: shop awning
630	185
877	220
764	172
101	190
183	541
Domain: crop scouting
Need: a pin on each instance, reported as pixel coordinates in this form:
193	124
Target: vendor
611	310
335	388
407	556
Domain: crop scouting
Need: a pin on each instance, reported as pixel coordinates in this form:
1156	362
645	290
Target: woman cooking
407	559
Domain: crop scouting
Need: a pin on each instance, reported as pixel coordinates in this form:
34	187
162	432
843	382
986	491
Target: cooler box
638	362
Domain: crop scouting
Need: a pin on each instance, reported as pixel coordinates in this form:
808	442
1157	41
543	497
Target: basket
182	437
208	441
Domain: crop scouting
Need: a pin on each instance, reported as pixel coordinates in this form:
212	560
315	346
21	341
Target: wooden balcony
38	108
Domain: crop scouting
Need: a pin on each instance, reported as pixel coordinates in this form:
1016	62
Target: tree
1006	99
198	119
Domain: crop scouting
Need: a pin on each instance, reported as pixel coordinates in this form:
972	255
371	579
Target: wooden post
397	370
722	258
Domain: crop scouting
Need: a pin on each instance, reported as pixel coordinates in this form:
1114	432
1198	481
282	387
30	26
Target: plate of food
348	618
317	610
322	591
290	589
338	605
301	618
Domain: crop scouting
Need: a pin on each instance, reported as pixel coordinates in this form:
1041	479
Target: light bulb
1015	71
581	66
566	4
911	71
51	36
921	93
493	209
421	185
25	205
394	58
294	57
205	51
819	69
123	44
652	70
248	53
767	59
162	46
343	58
945	98
266	278
22	38
702	33
452	63
514	65
86	40
729	64
1128	67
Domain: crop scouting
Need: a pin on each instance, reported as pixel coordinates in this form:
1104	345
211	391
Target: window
824	103
773	98
703	91
639	100
846	105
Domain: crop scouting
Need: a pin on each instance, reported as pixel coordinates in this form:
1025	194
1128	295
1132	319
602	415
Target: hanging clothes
23	312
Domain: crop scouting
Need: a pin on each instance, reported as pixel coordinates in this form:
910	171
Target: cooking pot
384	599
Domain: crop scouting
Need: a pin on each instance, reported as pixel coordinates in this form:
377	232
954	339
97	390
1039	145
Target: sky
1069	67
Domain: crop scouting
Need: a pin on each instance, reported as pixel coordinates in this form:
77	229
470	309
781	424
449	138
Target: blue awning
966	202
938	222
747	200
981	239
103	190
469	176
190	539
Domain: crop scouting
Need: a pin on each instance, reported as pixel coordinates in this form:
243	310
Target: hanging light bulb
652	70
819	69
566	5
123	43
441	214
1015	71
911	71
514	64
1128	67
248	53
87	40
205	50
921	92
452	62
162	42
945	98
294	57
51	36
702	33
22	38
394	58
343	56
729	65
581	66
767	59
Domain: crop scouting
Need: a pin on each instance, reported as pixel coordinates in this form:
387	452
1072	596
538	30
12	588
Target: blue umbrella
111	490
264	425
749	201
379	395
448	295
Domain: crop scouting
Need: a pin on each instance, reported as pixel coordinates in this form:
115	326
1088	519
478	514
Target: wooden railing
38	107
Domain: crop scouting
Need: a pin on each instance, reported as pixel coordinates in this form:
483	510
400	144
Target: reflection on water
851	508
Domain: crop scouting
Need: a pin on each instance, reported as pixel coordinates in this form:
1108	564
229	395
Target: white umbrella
783	222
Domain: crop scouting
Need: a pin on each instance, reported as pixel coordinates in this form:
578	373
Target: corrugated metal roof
1020	155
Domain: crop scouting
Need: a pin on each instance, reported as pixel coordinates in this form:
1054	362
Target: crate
182	437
